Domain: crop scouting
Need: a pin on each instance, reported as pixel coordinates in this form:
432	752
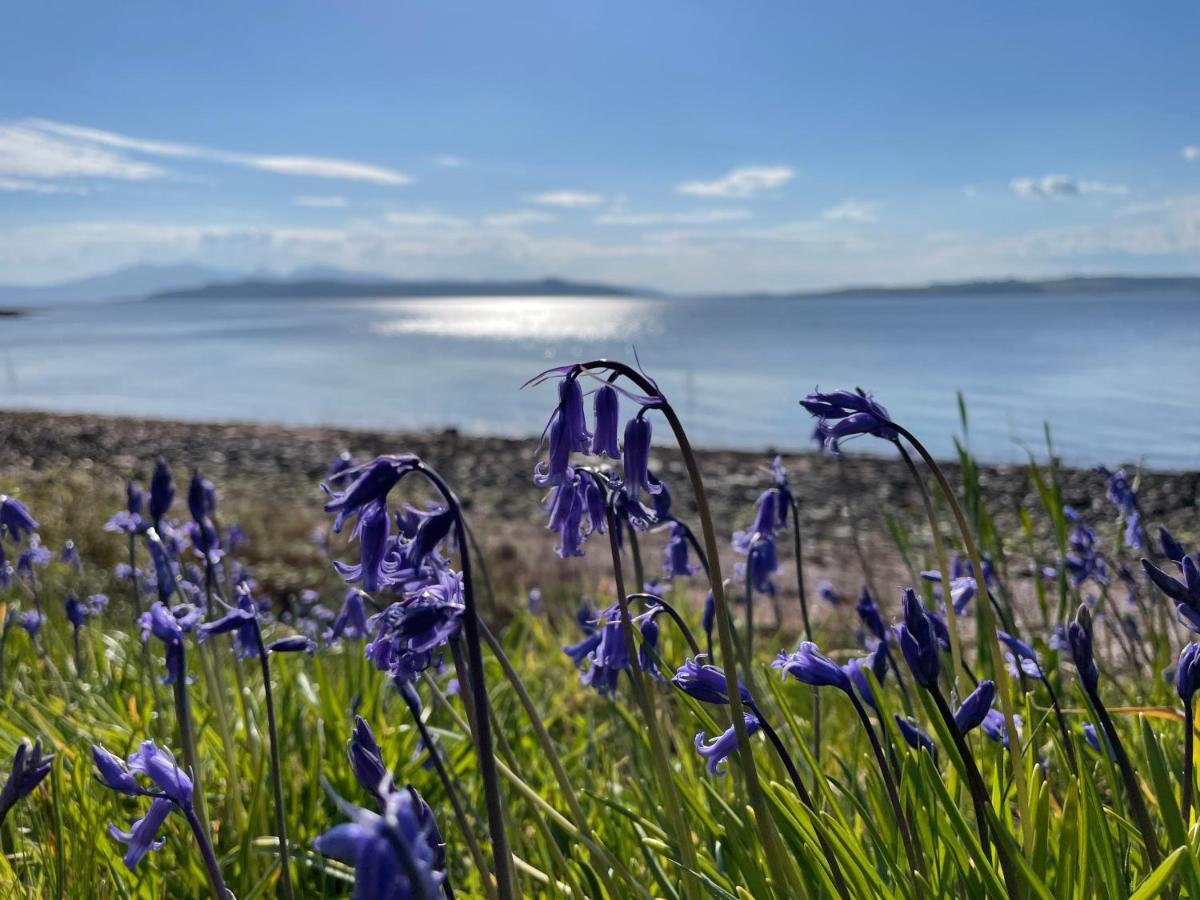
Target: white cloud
698	217
449	161
858	211
568	199
321	201
13	185
427	218
1062	186
38	148
742	182
1191	153
27	153
519	218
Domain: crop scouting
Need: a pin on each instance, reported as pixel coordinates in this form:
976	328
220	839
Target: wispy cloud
1049	186
1191	153
519	218
568	199
742	182
426	218
321	201
38	148
698	217
15	185
858	211
449	161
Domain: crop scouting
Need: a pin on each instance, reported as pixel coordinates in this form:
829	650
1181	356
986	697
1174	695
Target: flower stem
1189	752
187	735
213	869
285	870
816	694
674	614
1137	805
501	854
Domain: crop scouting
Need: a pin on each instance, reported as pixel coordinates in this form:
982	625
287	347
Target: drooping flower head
857	668
372	531
586	619
339	466
29	768
1121	494
351	620
169	626
371	485
1184	591
914	736
918	642
171	788
70	555
1187	673
706	683
675	554
366	760
611	656
76	611
242	622
565	433
15	520
810	666
971	712
845	414
162	491
715	752
606	406
636	460
647	624
827	593
1079	638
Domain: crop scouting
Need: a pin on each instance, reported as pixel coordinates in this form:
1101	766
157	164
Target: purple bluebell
294	643
567	505
1079	638
164	567
31	621
846	414
160	622
708	617
1121	494
1084	560
762	561
606	406
129	520
242	622
662	503
1185	591
534	604
918	642
648	625
809	666
586	619
565	433
141	837
857	668
1187	672
340	468
675	554
722	747
33	555
162	491
97	604
826	592
1171	548
29	768
351	621
366	760
868	612
202	497
76	611
611	656
1017	646
15	520
783	492
70	555
705	683
636	460
409	636
375	846
971	711
1097	740
372	485
914	736
372	531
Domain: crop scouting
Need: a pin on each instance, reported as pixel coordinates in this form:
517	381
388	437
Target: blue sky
692	146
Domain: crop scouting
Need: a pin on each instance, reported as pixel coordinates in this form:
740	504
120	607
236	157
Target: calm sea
1117	376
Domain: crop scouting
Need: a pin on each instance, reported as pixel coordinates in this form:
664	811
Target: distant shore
282	466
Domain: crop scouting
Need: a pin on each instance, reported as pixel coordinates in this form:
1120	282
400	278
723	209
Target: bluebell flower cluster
847	414
170	789
1121	494
29	769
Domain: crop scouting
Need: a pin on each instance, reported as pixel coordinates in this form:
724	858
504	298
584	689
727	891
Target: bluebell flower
164	568
351	621
606	406
534	603
29	768
161	622
567	505
914	736
675	554
295	643
586	619
783	492
611	656
636	460
565	433
242	621
648	625
1084	560
202	497
1017	646
1097	740
75	610
1079	638
162	491
15	520
962	588
1184	592
826	592
129	520
762	561
1171	548
975	707
722	747
868	612
1187	673
409	636
34	554
372	843
372	531
1122	495
70	555
366	760
708	617
140	839
856	669
371	485
918	642
32	621
97	604
809	666
845	414
662	503
338	468
171	789
705	683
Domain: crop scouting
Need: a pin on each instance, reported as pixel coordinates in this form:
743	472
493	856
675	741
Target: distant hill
124	284
332	288
1099	284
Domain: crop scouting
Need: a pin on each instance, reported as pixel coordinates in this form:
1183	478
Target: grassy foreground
592	804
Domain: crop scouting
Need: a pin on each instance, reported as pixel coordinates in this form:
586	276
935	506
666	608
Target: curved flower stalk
649	396
438	604
242	621
29	768
809	666
171	790
1079	638
1187	680
1023	660
844	414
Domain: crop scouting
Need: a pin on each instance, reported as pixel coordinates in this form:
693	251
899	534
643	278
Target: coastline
278	468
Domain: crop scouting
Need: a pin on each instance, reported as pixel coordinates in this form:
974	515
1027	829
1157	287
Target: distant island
334	288
550	287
